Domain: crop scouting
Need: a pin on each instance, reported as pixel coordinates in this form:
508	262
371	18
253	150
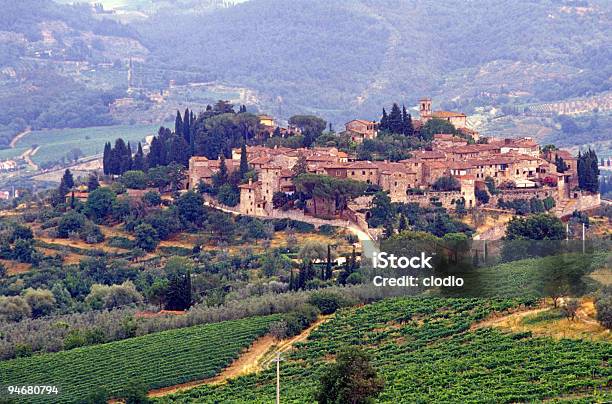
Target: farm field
425	351
161	359
55	143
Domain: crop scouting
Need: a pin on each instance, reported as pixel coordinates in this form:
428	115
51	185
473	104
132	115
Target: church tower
425	108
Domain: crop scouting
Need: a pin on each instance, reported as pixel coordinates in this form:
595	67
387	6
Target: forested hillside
334	56
40	42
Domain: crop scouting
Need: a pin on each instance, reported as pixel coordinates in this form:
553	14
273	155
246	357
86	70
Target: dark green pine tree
106	158
303	275
407	128
581	171
277	132
156	153
178	151
291	280
187	297
66	183
592	181
384	121
178	124
93	183
244	162
67	180
120	160
221	177
187	126
403	224
129	163
388	230
395	119
139	162
328	265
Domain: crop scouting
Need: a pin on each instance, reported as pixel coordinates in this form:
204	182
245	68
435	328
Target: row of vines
426	352
159	360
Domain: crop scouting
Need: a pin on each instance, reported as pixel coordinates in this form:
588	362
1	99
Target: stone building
458	119
361	129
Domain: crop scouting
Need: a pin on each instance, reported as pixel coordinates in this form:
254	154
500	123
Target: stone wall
447	198
514	194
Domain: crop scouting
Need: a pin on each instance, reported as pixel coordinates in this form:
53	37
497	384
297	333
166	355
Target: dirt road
254	359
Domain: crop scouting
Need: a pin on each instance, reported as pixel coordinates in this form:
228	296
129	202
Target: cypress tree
187	298
395	119
120	160
291	280
67	180
187	126
106	158
328	265
407	128
244	164
178	151
403	225
129	162
384	121
154	158
221	177
139	162
178	124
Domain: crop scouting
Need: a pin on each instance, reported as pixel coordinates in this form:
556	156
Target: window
363	172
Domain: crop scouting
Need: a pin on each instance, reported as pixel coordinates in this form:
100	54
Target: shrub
299	319
603	304
327	229
134	179
152	198
121	242
23	350
328	302
41	301
70	222
14	308
91	233
146	237
228	195
355	279
446	184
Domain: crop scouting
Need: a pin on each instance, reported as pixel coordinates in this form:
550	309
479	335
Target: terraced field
159	360
425	351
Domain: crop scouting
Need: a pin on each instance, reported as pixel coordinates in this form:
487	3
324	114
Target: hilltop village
456	170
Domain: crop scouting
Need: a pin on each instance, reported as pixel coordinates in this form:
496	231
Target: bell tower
425	108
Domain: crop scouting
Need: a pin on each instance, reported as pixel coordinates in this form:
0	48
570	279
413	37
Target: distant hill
338	59
350	56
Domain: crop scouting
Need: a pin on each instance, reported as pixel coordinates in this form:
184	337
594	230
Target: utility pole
583	239
277	360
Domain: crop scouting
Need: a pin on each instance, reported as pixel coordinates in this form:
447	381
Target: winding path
19	136
368	245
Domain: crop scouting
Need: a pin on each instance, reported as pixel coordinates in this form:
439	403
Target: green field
159	360
425	352
55	143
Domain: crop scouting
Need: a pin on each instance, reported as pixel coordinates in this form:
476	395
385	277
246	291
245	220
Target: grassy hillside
55	143
425	352
159	360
